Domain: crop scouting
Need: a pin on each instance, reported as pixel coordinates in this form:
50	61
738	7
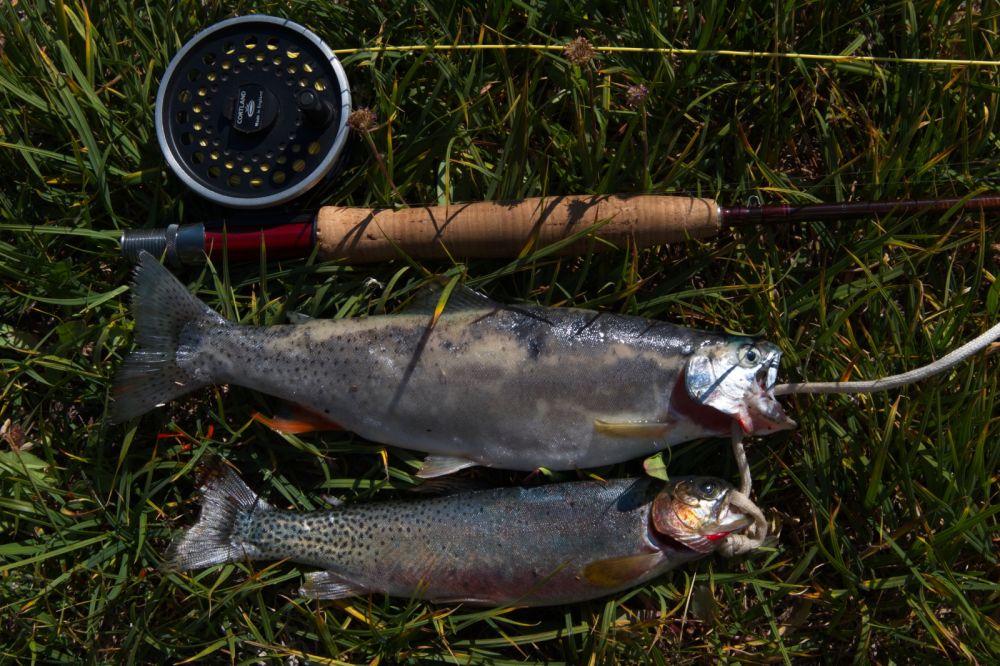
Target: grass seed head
362	120
635	95
579	51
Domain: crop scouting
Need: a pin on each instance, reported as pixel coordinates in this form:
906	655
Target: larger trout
484	384
551	544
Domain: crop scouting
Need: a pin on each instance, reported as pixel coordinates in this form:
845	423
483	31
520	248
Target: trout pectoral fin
442	465
296	420
631	428
328	585
620	571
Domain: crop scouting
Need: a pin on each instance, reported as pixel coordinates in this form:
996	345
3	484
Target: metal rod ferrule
179	244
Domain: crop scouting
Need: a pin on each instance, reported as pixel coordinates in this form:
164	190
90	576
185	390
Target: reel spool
252	112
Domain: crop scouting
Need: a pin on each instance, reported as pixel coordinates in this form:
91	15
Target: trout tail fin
151	376
219	535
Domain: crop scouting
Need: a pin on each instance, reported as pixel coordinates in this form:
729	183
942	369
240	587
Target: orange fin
636	429
297	420
619	571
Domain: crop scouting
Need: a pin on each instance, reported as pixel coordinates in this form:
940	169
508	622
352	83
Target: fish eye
749	355
708	488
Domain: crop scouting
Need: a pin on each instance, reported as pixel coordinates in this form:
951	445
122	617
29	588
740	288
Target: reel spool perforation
252	111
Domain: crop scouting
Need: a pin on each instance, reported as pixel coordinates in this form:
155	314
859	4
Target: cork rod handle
500	229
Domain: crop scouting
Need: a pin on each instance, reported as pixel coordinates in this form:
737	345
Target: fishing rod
490	229
251	113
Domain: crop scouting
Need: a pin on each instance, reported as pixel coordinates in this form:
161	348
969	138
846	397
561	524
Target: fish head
695	512
737	377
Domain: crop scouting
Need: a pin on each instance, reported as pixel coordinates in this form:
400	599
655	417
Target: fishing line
888	383
740	453
667	50
753	537
946	362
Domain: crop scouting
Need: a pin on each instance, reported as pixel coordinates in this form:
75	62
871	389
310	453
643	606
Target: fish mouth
689	530
764	413
737	393
728	521
767	376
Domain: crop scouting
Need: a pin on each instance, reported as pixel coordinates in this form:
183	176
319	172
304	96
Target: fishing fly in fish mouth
498	547
482	384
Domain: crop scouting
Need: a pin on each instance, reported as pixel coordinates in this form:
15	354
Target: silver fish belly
510	387
552	544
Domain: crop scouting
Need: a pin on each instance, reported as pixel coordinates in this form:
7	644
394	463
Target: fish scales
550	544
391	379
500	386
400	547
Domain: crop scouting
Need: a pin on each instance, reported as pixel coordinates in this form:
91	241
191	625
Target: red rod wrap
281	242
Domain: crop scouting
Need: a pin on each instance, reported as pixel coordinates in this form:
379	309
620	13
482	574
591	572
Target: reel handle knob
317	112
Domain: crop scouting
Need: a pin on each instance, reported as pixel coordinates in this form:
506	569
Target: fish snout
765	415
699	523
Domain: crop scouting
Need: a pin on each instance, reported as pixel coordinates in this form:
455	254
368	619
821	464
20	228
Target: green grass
888	505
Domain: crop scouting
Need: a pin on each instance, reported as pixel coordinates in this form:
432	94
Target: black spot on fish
588	323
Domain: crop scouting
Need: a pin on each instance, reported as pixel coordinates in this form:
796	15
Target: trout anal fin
328	585
651	429
442	465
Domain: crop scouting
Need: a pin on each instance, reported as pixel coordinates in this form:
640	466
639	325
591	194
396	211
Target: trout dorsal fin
427	297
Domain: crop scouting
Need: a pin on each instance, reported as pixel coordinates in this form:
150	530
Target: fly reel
252	112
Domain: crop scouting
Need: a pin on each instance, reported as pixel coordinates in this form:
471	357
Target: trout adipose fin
152	376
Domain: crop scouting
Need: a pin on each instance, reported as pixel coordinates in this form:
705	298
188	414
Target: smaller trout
552	544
